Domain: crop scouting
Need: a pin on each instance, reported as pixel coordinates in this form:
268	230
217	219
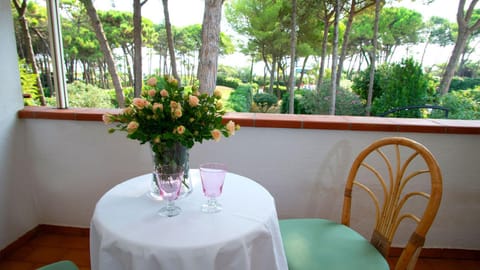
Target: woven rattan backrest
397	156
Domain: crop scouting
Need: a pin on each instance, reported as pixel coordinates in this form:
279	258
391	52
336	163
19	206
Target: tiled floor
48	247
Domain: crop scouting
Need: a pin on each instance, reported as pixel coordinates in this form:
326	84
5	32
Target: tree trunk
171	48
107	52
137	48
324	50
373	56
464	31
338	8
300	80
346	35
208	64
21	9
293	44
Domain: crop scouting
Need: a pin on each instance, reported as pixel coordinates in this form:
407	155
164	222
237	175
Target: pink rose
139	103
193	101
132	127
157	106
152	92
152	81
164	93
216	134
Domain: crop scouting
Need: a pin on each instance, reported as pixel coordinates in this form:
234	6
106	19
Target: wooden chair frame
388	215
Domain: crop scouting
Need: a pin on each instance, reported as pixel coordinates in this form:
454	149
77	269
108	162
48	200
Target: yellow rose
231	127
178	113
217	93
107	118
219	105
181	129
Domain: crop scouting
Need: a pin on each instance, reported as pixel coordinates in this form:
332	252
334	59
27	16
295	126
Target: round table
127	233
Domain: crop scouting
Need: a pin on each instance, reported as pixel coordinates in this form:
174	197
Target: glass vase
170	159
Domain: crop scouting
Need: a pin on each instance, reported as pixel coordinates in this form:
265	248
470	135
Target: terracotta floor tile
46	255
15	265
81	257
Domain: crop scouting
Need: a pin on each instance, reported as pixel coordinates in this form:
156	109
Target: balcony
56	164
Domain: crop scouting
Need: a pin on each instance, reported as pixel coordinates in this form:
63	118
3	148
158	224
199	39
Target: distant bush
81	95
264	101
297	104
240	99
228	81
127	92
361	82
460	83
346	102
463	104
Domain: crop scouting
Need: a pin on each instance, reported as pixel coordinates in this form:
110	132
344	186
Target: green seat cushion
312	244
62	265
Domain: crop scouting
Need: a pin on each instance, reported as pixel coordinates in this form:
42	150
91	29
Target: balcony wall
17	208
73	163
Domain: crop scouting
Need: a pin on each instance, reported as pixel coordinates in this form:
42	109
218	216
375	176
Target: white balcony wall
17	212
74	162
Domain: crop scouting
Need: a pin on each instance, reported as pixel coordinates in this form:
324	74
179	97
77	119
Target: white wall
17	212
75	162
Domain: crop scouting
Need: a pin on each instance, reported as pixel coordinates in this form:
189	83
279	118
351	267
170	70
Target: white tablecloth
127	233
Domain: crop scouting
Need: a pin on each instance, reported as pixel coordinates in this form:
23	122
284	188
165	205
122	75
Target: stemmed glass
169	184
213	177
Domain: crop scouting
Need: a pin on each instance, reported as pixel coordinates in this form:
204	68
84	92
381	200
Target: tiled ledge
288	121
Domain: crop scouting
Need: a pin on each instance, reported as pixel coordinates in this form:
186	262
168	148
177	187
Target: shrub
228	81
346	102
362	80
460	83
297	104
264	101
127	92
240	99
28	80
404	85
81	95
463	104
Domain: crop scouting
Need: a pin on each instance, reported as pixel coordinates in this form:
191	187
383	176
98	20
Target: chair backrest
391	164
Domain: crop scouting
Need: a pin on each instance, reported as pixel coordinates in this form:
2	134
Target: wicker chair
384	171
61	265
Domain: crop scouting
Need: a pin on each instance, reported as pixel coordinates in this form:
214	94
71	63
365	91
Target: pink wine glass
213	177
169	186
